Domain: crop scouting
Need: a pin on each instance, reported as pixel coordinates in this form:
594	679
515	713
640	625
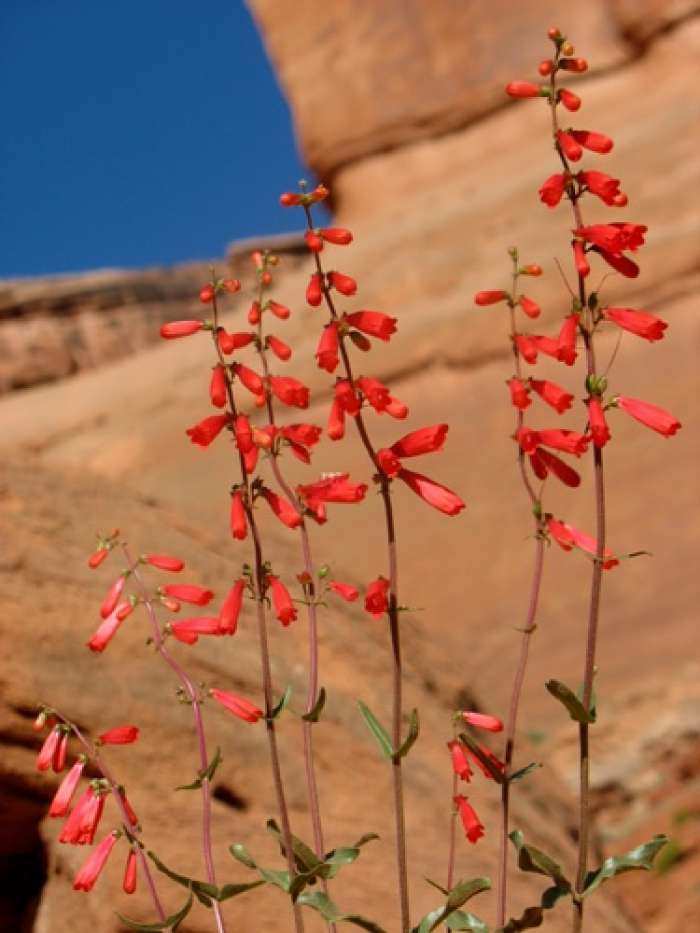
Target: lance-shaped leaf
314	713
534	860
475	749
346	855
409	741
321	903
207	774
304	855
456	897
202	890
170	923
380	736
523	772
282	704
639	859
279	878
458	920
568	698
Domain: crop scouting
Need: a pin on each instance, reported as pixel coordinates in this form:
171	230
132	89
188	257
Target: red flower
120	735
376	393
376	602
333	489
483	721
472	827
423	441
435	494
95	862
342	283
375	323
596	420
237	705
175	329
577	65
290	199
569	442
306	434
189	630
281	600
658	419
129	883
243	433
636	322
60	804
490	297
231	609
460	762
622	264
314	291
95	559
48	750
552	190
206	294
164	562
519	393
566	342
530	307
526	348
239	526
279	348
580	261
108	628
254	313
188	593
286	512
207	430
336	421
552	394
570	100
388	462
596	142
313	241
347	397
230	342
568	537
217	386
615	237
81	826
327	350
344	590
571	149
290	391
603	186
495	761
337	235
112	598
280	311
251	380
523	89
544	462
545	345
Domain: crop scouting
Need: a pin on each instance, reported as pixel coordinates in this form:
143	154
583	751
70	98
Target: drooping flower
552	394
284	510
526	347
460	762
129	882
596	420
566	342
97	557
346	397
568	537
314	290
552	189
530	307
95	862
108	628
603	186
230	342
290	391
492	297
254	313
237	705
188	593
81	826
640	323
435	494
58	762
60	804
376	601
327	350
238	523
375	323
582	265
523	89
207	430
423	441
48	749
544	462
483	721
306	434
569	146
281	600
344	590
189	630
337	235
165	562
569	442
174	329
279	348
217	386
343	283
231	609
280	311
473	828
654	417
596	142
376	393
250	379
570	100
336	488
494	760
120	735
519	393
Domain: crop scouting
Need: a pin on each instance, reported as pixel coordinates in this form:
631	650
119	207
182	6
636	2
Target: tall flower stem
94	755
259	590
586	328
194	699
311	607
392	611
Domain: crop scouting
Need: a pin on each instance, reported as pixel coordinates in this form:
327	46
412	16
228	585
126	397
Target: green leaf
475	749
282	704
239	851
466	921
208	773
173	921
569	699
641	858
456	897
534	860
321	903
530	918
523	772
345	855
279	878
552	895
304	855
314	714
381	738
413	732
203	891
233	890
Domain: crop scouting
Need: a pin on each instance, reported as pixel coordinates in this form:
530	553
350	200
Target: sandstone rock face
432	219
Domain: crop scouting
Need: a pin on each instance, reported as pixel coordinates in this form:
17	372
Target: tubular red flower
286	512
347	397
335	428
526	347
48	749
337	235
603	186
306	434
545	462
571	149
552	394
251	380
344	590
460	762
254	313
570	100
569	442
60	804
388	462
435	494
596	142
376	602
280	311
566	341
640	323
327	350
523	89
580	261
654	417
108	628
279	347
96	558
81	826
490	297
314	290
527	439
231	609
58	761
313	241
519	393
206	294
552	190
334	489
238	523
290	391
217	386
95	862
238	705
129	882
120	735
189	630
376	393
188	593
290	199
483	721
423	441
375	323
281	600
473	828
112	598
230	342
343	283
568	537
530	307
207	430
165	562
174	329
596	420
622	264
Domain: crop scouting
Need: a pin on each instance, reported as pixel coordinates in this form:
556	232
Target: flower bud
206	294
523	89
546	67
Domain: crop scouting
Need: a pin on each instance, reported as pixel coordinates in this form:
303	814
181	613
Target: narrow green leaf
282	704
314	714
198	888
413	733
208	773
639	859
474	748
523	772
465	890
460	920
324	905
345	855
239	851
532	859
569	699
173	921
304	855
279	878
233	890
380	736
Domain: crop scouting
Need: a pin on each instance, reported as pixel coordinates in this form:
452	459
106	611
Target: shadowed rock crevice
23	857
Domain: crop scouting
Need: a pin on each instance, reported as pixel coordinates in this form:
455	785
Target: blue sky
137	133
